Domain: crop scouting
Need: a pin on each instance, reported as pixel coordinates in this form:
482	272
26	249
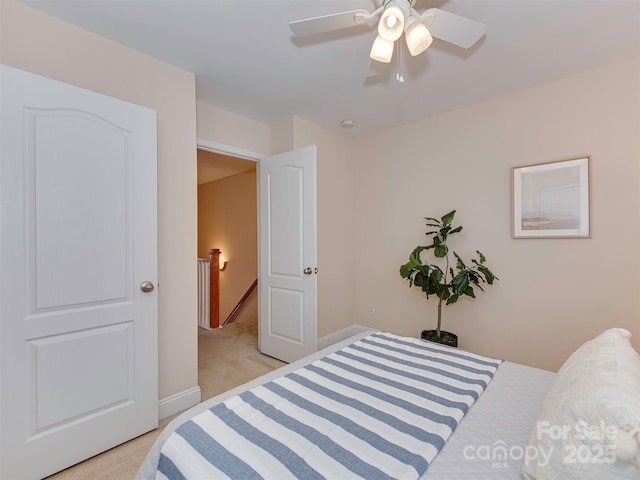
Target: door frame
215	147
204	144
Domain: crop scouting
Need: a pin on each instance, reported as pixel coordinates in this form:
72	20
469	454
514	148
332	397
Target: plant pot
446	338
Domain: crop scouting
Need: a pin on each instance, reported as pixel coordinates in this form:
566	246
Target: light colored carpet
227	357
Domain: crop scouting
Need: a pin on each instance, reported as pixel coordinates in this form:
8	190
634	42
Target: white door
78	337
287	287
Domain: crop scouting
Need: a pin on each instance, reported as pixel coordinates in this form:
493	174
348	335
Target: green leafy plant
446	284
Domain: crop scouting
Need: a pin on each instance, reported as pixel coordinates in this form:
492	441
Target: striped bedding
379	408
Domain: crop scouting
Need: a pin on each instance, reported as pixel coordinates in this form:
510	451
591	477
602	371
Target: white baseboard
178	402
342	334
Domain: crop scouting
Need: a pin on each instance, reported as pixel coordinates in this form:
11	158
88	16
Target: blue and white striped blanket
380	408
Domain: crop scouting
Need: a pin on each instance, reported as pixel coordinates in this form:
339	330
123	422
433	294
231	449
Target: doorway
227	221
286	203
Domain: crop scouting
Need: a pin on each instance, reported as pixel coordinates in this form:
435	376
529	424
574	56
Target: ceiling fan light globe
382	50
418	38
391	23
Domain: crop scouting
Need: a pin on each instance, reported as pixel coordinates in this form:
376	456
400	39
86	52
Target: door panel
287	296
286	304
78	339
284	197
80	201
106	354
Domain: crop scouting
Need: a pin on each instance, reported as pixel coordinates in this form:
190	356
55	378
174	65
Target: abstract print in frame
552	200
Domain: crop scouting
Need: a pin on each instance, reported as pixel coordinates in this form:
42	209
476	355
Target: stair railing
241	302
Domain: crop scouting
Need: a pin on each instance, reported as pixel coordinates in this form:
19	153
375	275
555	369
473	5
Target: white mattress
505	413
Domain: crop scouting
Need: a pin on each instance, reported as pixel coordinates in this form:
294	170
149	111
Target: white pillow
589	427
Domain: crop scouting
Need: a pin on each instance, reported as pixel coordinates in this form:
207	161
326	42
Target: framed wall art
552	200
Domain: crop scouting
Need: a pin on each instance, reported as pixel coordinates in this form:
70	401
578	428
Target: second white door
287	286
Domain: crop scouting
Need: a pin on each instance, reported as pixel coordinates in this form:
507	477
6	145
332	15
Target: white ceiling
246	60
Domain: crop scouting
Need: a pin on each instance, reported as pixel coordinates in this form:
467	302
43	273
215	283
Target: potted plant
446	284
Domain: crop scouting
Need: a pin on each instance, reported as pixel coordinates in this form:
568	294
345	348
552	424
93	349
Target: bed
485	422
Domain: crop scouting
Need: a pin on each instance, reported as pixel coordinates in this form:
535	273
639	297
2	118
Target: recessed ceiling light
347	123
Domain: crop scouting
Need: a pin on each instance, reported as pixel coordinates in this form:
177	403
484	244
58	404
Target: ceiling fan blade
452	28
327	23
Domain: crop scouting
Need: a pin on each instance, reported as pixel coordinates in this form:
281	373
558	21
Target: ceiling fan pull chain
399	76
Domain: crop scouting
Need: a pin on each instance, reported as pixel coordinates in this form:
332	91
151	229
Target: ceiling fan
396	17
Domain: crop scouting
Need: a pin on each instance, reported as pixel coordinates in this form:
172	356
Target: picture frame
552	200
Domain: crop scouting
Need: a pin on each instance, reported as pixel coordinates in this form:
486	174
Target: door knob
147	286
308	271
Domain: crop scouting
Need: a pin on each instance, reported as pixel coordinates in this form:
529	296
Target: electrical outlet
372	309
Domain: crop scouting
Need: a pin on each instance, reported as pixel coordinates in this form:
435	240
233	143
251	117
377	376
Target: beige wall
552	294
218	125
336	230
374	191
227	219
46	46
